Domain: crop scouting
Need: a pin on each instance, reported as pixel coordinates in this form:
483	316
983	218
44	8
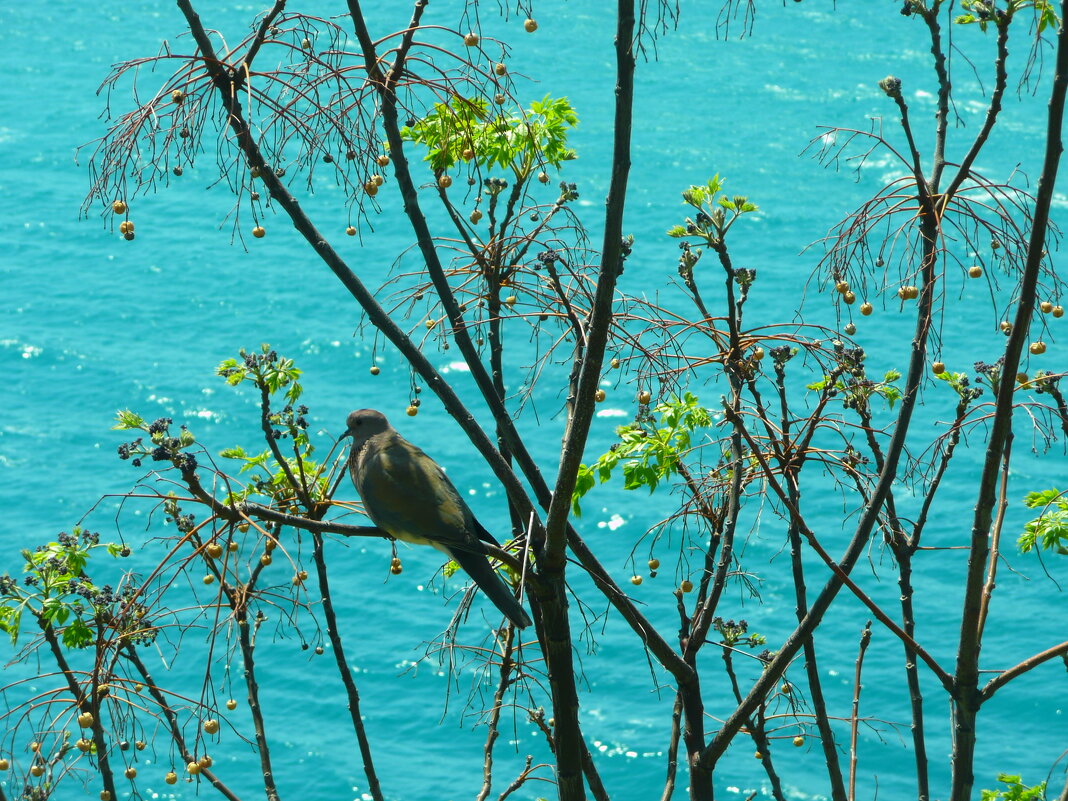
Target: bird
408	495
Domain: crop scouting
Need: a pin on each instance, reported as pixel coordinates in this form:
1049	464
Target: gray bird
407	495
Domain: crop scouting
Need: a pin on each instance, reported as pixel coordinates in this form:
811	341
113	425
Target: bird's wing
406	493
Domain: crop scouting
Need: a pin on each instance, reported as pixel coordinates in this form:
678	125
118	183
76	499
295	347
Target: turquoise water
90	324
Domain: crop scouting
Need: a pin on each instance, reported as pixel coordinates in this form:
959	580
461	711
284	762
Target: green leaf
78	634
126	420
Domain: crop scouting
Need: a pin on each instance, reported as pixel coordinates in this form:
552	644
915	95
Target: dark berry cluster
782	354
549	257
744	277
568	192
7	585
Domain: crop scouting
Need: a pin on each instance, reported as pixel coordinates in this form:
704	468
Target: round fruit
265	559
842	287
83	745
232	546
302	575
4	764
476	215
171	778
395	562
758	755
383	160
209	579
614	363
758	354
269	544
530	26
866	309
375	369
205	761
35	747
129	236
686	586
599	396
351	230
471	39
468	154
118	207
192	768
635	580
214	550
231	704
1021	378
1058	311
1038	348
499	99
211	726
411	411
975	271
1006	327
1045	306
306	44
259	232
429	324
543	177
126	227
510	300
396	570
849	298
85	720
645	397
938	368
131	772
850	329
140	745
371	188
377	179
37	770
914	293
799	741
654	564
177	95
787	688
445	181
177	170
500	69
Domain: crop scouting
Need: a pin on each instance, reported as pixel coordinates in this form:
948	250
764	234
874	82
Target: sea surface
90	324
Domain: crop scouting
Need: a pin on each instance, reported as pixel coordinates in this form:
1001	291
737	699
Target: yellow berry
259	232
118	207
265	559
171	778
849	298
192	768
471	39
131	772
758	354
654	564
635	580
383	160
375	369
476	215
686	586
799	741
866	309
842	287
209	579
177	95
510	300
231	704
371	188
500	69
211	726
938	368
4	764
599	396
85	720
377	179
975	271
530	26
1045	306
445	181
1038	347
412	411
351	230
214	550
37	770
645	397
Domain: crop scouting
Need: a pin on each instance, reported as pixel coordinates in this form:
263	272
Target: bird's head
363	424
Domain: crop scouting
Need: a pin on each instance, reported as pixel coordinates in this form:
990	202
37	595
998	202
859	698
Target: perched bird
407	495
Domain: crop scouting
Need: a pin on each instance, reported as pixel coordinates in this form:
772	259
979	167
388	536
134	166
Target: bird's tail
477	566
